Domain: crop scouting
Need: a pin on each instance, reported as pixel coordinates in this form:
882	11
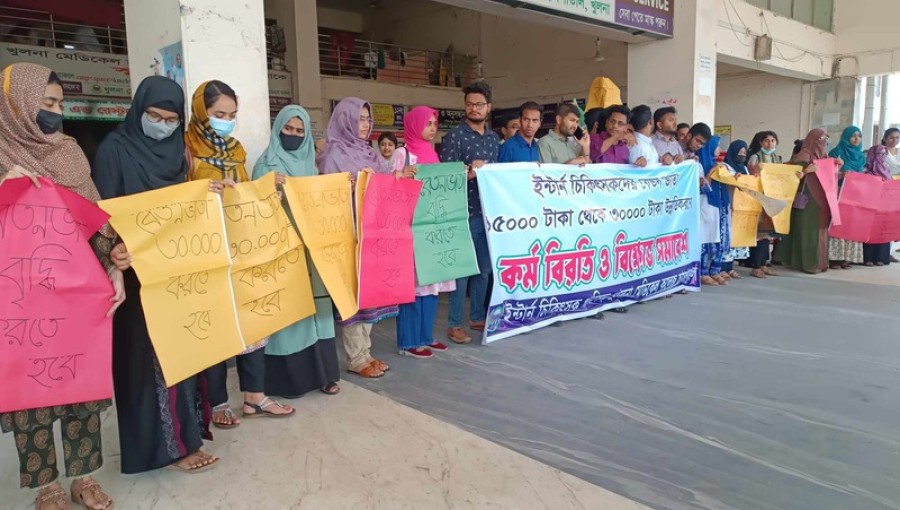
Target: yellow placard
323	210
383	114
745	214
781	182
177	239
271	282
723	175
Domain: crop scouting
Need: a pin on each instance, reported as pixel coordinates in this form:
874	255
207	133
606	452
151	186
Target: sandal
380	365
708	280
55	498
735	275
846	265
331	388
206	462
368	372
93	488
771	272
261	410
758	273
721	279
224	410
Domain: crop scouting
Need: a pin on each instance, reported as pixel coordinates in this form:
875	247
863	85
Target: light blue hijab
298	163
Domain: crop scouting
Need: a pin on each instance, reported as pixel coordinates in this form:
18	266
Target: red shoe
437	346
476	326
418	352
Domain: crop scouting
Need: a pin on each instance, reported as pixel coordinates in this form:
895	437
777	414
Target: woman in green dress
303	356
806	247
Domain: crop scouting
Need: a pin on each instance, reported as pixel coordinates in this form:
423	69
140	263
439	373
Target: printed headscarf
876	162
344	150
214	157
298	163
853	156
55	156
128	161
813	148
414	123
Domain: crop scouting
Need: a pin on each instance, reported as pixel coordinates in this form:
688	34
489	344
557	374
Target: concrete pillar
299	20
868	127
885	98
223	40
680	71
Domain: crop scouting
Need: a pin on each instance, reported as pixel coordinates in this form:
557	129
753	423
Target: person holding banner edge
302	357
216	155
475	145
159	426
32	145
842	252
348	150
415	324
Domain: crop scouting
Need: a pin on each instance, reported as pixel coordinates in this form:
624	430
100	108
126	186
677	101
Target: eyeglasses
157	118
825	138
476	106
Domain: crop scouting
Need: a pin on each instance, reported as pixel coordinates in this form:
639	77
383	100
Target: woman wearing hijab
348	150
216	155
736	162
710	218
415	324
763	151
877	165
842	252
32	145
159	426
806	248
303	356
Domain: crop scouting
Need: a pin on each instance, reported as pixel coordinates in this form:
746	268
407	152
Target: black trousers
759	254
877	253
251	370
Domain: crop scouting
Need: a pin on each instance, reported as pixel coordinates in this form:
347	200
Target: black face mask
740	159
291	142
49	122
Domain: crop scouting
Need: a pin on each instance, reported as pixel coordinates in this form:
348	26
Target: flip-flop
331	388
229	415
259	410
206	467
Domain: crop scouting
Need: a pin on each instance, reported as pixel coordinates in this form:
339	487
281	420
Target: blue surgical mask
768	152
222	127
156	130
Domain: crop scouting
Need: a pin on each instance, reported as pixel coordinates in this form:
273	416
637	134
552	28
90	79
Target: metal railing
39	28
344	56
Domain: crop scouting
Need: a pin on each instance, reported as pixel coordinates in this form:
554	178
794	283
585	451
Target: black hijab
130	162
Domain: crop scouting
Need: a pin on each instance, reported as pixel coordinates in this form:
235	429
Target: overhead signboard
654	16
83	73
650	17
593	10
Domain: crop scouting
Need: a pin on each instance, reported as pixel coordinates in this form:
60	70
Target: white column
222	40
868	127
680	71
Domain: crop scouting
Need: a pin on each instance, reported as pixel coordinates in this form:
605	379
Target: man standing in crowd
643	152
611	146
560	144
475	145
682	132
523	147
697	138
665	137
510	127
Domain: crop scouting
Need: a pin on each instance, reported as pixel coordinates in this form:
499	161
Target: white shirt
644	148
893	163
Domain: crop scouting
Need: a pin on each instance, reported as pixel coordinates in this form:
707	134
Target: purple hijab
876	162
344	150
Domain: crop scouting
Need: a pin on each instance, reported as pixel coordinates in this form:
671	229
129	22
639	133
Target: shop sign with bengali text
87	109
654	16
83	73
589	10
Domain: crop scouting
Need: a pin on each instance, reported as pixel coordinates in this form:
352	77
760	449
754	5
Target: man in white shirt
643	152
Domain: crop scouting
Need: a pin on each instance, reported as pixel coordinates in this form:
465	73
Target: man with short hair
523	147
611	146
643	152
475	145
665	136
510	127
682	132
698	135
560	144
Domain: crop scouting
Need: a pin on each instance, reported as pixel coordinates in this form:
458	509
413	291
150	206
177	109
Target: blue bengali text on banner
568	242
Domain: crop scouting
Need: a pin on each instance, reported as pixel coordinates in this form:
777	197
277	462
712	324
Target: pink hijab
413	124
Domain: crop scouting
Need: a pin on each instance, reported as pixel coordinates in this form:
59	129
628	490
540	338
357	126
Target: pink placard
387	271
886	225
827	172
55	338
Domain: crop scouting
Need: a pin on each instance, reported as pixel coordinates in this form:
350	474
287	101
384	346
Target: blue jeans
415	324
477	284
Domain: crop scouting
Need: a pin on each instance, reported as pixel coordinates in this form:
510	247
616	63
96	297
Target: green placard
441	236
